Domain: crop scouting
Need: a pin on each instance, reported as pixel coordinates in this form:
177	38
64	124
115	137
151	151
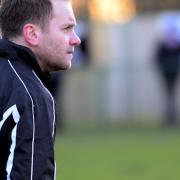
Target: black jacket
27	117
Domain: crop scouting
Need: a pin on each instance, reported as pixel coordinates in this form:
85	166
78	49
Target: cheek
56	42
61	45
61	38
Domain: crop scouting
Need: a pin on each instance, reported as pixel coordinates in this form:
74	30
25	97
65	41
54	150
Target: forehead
62	11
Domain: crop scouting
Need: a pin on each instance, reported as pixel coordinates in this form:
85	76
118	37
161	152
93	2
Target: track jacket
27	117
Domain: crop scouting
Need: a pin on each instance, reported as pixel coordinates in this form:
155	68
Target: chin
69	67
65	67
61	66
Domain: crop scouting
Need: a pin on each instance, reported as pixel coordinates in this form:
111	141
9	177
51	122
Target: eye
68	28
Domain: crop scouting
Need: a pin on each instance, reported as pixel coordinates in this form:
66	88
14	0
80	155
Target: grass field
118	153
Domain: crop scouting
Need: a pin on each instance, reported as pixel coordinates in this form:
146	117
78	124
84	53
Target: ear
31	34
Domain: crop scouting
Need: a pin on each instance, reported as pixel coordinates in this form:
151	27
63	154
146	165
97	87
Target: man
167	59
37	37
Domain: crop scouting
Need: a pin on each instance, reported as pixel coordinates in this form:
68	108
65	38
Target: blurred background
115	76
118	107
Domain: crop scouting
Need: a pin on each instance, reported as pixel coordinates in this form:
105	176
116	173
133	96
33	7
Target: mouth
70	52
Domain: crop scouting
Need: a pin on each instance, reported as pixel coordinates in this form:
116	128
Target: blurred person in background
38	37
56	87
81	55
168	63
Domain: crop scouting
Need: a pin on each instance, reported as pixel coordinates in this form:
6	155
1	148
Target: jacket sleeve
16	136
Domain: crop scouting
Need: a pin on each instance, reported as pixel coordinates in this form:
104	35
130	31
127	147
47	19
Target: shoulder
13	88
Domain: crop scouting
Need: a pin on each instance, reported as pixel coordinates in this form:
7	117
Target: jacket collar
12	51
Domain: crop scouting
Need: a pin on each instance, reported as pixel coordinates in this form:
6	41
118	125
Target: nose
75	40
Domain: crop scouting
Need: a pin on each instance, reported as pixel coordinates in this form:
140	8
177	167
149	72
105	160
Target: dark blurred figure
168	57
55	86
81	55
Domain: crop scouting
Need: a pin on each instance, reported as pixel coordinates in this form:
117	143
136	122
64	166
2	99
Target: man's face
57	42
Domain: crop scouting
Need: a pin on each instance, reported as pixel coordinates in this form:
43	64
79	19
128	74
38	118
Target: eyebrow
71	22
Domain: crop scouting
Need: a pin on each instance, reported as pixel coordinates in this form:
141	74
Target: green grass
118	153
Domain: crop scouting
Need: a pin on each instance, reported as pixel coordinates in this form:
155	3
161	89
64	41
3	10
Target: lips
70	52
